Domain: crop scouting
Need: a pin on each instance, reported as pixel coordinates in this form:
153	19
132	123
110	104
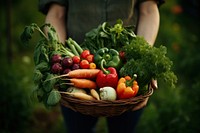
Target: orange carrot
95	94
83	73
79	74
83	83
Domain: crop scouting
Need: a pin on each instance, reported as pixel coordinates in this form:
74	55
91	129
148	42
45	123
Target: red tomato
84	64
76	59
85	53
90	58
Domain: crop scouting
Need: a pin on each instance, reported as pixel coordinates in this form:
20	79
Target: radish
56	68
56	58
67	62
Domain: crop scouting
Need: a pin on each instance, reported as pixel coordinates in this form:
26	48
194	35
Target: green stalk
102	68
72	47
130	82
66	52
78	48
36	27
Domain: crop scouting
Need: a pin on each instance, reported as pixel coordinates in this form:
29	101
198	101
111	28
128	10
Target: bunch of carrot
83	79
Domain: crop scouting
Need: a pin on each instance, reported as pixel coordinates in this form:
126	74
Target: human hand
153	85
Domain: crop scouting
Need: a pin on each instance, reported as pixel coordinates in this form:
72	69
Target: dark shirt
84	15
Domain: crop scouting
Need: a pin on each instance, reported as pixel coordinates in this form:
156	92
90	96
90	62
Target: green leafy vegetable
37	76
108	36
53	98
49	83
47	45
28	31
43	66
38	93
147	62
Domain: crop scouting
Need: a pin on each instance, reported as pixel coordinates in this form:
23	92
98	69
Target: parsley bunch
147	62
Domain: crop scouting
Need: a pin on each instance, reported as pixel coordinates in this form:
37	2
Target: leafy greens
108	36
45	90
142	59
147	62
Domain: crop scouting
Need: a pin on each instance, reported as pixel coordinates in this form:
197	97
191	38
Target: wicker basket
103	108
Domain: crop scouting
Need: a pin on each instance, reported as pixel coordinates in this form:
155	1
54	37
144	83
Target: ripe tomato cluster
87	60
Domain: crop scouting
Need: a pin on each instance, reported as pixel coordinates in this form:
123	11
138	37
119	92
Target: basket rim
118	102
103	108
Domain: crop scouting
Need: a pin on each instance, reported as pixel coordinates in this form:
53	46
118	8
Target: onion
108	93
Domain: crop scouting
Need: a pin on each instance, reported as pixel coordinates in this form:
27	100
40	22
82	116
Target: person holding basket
74	18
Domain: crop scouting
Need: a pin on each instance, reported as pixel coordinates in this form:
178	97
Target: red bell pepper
107	77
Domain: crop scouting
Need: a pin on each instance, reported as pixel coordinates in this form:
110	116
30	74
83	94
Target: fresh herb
147	62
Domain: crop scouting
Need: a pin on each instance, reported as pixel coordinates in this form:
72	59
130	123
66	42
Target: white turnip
108	93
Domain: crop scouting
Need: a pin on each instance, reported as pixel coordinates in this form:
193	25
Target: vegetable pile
111	63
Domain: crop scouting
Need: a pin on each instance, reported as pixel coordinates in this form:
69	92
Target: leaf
108	36
49	83
53	98
43	66
51	33
37	52
148	62
139	67
33	95
44	54
27	34
28	31
37	93
37	76
41	52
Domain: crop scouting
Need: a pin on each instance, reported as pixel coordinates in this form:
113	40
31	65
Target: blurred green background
170	110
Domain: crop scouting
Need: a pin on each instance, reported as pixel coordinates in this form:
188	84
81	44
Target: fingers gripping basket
103	108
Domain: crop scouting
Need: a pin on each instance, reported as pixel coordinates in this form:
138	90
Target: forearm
148	23
56	17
